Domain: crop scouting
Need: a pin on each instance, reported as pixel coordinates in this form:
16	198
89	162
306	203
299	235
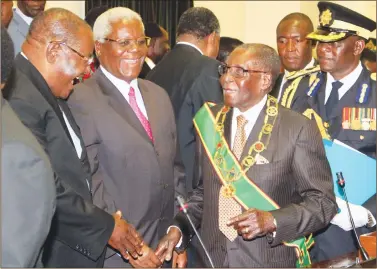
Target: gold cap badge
325	18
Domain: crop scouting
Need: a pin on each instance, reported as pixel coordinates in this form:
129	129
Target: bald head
59	44
58	24
265	57
298	17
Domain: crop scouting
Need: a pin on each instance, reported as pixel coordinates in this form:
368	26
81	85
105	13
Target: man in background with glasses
57	49
129	132
254	153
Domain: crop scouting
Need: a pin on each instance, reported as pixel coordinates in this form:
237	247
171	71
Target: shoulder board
303	72
373	76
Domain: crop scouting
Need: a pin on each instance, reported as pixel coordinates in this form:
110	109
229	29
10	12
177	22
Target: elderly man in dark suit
129	132
341	98
57	50
271	189
188	73
27	181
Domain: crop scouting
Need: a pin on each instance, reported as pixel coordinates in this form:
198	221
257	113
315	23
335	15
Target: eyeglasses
125	44
236	71
87	60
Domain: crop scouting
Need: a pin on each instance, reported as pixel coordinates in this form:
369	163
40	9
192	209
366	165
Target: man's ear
52	52
358	47
266	82
98	48
212	38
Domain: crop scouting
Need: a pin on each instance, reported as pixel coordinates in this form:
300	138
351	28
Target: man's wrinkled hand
179	260
147	260
253	223
164	250
125	238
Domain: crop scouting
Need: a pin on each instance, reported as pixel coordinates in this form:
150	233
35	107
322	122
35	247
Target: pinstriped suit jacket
297	177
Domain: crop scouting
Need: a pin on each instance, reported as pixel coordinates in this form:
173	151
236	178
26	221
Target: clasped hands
129	243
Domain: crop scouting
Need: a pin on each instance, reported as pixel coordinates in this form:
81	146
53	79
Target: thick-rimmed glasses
126	44
87	60
236	71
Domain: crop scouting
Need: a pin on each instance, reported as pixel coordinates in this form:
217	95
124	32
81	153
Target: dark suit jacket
27	194
144	71
291	178
333	241
190	79
129	172
80	231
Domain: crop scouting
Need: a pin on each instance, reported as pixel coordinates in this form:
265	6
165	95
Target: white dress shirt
150	63
286	73
124	88
191	45
250	115
27	19
347	81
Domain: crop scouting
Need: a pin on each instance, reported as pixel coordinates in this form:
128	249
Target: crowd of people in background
105	123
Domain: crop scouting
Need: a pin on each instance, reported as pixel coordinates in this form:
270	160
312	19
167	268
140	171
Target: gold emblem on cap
361	137
325	18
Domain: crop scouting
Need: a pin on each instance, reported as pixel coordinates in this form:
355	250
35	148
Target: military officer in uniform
341	97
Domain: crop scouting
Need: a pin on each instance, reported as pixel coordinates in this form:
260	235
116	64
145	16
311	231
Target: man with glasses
342	100
57	49
129	131
260	187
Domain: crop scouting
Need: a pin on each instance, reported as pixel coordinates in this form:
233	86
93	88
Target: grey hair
102	27
265	57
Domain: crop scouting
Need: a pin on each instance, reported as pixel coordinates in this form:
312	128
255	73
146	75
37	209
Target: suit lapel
120	104
22	26
228	127
39	82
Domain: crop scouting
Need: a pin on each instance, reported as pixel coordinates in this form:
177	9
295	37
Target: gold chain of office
230	175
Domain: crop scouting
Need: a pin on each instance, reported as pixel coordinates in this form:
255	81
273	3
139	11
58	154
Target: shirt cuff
180	239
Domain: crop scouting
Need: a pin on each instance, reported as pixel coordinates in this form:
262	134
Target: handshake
129	243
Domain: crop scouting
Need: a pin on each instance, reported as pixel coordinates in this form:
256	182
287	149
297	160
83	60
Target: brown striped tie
228	207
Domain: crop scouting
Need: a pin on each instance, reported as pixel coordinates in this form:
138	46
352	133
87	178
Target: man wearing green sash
265	182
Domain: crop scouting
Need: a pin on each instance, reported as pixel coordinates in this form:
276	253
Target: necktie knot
131	92
241	122
336	85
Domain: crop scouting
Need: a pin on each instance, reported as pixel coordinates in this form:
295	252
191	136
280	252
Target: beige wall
256	21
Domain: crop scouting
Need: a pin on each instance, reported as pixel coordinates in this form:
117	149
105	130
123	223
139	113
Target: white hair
102	26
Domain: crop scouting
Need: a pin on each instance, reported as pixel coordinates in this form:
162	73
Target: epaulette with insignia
373	76
303	72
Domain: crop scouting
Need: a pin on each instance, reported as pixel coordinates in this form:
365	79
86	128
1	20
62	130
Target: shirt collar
191	45
119	83
252	113
27	19
150	63
351	78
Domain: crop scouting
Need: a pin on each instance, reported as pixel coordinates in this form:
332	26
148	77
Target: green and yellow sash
244	190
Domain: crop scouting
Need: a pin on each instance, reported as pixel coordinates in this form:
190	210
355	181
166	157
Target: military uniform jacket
333	241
